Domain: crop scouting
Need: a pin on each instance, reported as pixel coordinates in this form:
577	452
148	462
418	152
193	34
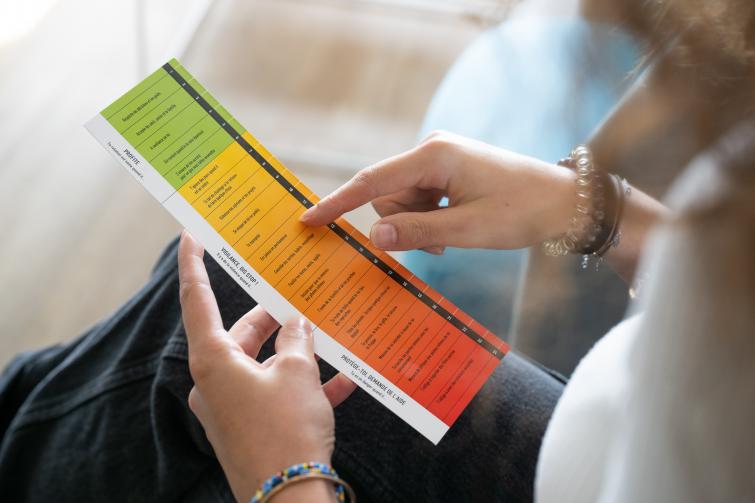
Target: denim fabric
105	418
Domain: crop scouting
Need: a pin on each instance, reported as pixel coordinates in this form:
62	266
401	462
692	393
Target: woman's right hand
497	199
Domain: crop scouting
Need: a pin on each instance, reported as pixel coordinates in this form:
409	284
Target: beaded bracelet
586	222
600	204
299	473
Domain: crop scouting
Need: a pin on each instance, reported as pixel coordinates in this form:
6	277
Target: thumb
295	337
413	230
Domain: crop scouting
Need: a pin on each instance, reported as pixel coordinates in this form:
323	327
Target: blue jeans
105	418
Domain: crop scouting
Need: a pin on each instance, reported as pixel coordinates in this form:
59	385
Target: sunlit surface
19	18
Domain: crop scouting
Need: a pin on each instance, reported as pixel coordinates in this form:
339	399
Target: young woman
660	410
502	200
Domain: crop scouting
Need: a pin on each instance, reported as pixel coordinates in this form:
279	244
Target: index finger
386	177
199	309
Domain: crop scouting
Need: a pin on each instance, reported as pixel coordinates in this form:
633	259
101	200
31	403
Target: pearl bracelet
585	224
594	228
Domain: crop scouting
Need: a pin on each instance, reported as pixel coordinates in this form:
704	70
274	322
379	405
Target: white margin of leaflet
279	308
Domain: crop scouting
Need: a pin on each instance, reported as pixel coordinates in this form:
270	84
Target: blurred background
329	86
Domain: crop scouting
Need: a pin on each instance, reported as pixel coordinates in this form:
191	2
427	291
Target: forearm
641	213
636	134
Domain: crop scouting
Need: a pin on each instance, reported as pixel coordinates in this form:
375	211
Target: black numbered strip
337	229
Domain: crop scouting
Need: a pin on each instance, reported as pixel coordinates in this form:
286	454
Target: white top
663	407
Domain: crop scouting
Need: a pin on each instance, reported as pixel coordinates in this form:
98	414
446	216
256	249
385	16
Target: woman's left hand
259	417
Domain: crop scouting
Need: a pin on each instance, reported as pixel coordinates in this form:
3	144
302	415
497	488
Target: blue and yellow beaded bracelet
299	473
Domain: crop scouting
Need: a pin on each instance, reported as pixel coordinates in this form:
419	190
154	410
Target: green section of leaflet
210	98
124	101
198	158
167	126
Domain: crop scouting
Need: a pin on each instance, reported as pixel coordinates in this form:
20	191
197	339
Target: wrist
594	228
311	481
252	471
314	490
563	200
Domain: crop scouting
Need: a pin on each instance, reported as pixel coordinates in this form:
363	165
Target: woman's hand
497	199
259	417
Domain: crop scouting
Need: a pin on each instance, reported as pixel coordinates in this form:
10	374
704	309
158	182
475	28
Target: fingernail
302	328
435	250
304	324
307	215
383	235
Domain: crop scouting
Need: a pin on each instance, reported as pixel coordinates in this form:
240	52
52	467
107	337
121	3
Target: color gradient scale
401	341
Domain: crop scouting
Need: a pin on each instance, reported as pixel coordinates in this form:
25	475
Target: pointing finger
386	177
